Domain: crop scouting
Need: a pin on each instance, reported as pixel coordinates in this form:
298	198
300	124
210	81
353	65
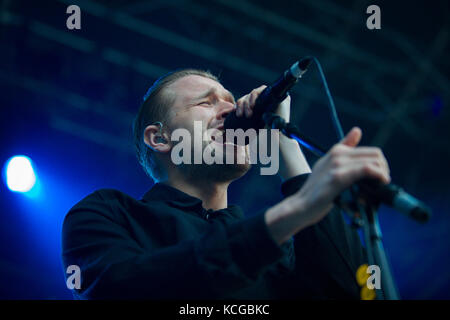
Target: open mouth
219	138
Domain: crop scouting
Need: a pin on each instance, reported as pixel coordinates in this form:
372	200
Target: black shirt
167	246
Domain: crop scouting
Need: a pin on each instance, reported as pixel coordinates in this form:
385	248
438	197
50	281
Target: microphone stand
363	208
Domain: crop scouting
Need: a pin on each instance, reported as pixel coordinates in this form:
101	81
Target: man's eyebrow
212	91
205	94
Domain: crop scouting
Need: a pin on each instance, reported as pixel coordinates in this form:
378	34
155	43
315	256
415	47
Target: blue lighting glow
437	105
20	174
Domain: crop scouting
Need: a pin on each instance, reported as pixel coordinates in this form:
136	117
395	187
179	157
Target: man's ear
155	140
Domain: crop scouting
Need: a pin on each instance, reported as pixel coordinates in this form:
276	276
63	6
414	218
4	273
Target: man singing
183	240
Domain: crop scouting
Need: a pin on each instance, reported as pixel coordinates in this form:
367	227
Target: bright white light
20	176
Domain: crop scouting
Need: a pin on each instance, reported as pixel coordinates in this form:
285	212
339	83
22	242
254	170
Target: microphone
396	198
269	99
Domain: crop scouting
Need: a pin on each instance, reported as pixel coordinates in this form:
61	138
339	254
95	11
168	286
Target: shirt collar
165	193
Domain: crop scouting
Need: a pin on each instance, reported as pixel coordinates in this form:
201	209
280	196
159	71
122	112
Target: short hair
155	108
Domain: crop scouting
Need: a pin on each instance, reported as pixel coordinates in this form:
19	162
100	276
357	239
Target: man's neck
213	194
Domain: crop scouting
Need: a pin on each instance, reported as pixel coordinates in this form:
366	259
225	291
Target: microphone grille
304	63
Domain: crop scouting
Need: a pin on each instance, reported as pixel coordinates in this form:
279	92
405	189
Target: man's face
202	99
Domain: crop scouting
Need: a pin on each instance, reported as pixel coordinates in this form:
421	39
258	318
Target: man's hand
342	166
246	104
292	160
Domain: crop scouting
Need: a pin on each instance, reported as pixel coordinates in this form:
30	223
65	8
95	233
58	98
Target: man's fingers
351	173
239	107
243	106
365	151
253	96
352	138
239	110
247	110
369	152
260	89
246	103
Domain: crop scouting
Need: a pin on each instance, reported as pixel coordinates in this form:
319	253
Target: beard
216	172
223	171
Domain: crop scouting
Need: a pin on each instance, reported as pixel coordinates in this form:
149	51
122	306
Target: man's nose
225	109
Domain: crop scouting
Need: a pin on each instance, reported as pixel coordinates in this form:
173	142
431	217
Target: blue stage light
20	175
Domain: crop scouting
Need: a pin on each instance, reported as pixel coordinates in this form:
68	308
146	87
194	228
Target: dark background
68	98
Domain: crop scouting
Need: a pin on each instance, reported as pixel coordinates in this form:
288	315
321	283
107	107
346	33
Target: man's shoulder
106	195
104	201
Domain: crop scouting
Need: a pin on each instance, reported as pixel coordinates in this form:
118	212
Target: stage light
20	175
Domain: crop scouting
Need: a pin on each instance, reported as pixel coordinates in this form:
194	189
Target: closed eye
205	103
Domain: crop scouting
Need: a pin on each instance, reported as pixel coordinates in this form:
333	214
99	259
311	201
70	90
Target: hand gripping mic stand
364	212
362	205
